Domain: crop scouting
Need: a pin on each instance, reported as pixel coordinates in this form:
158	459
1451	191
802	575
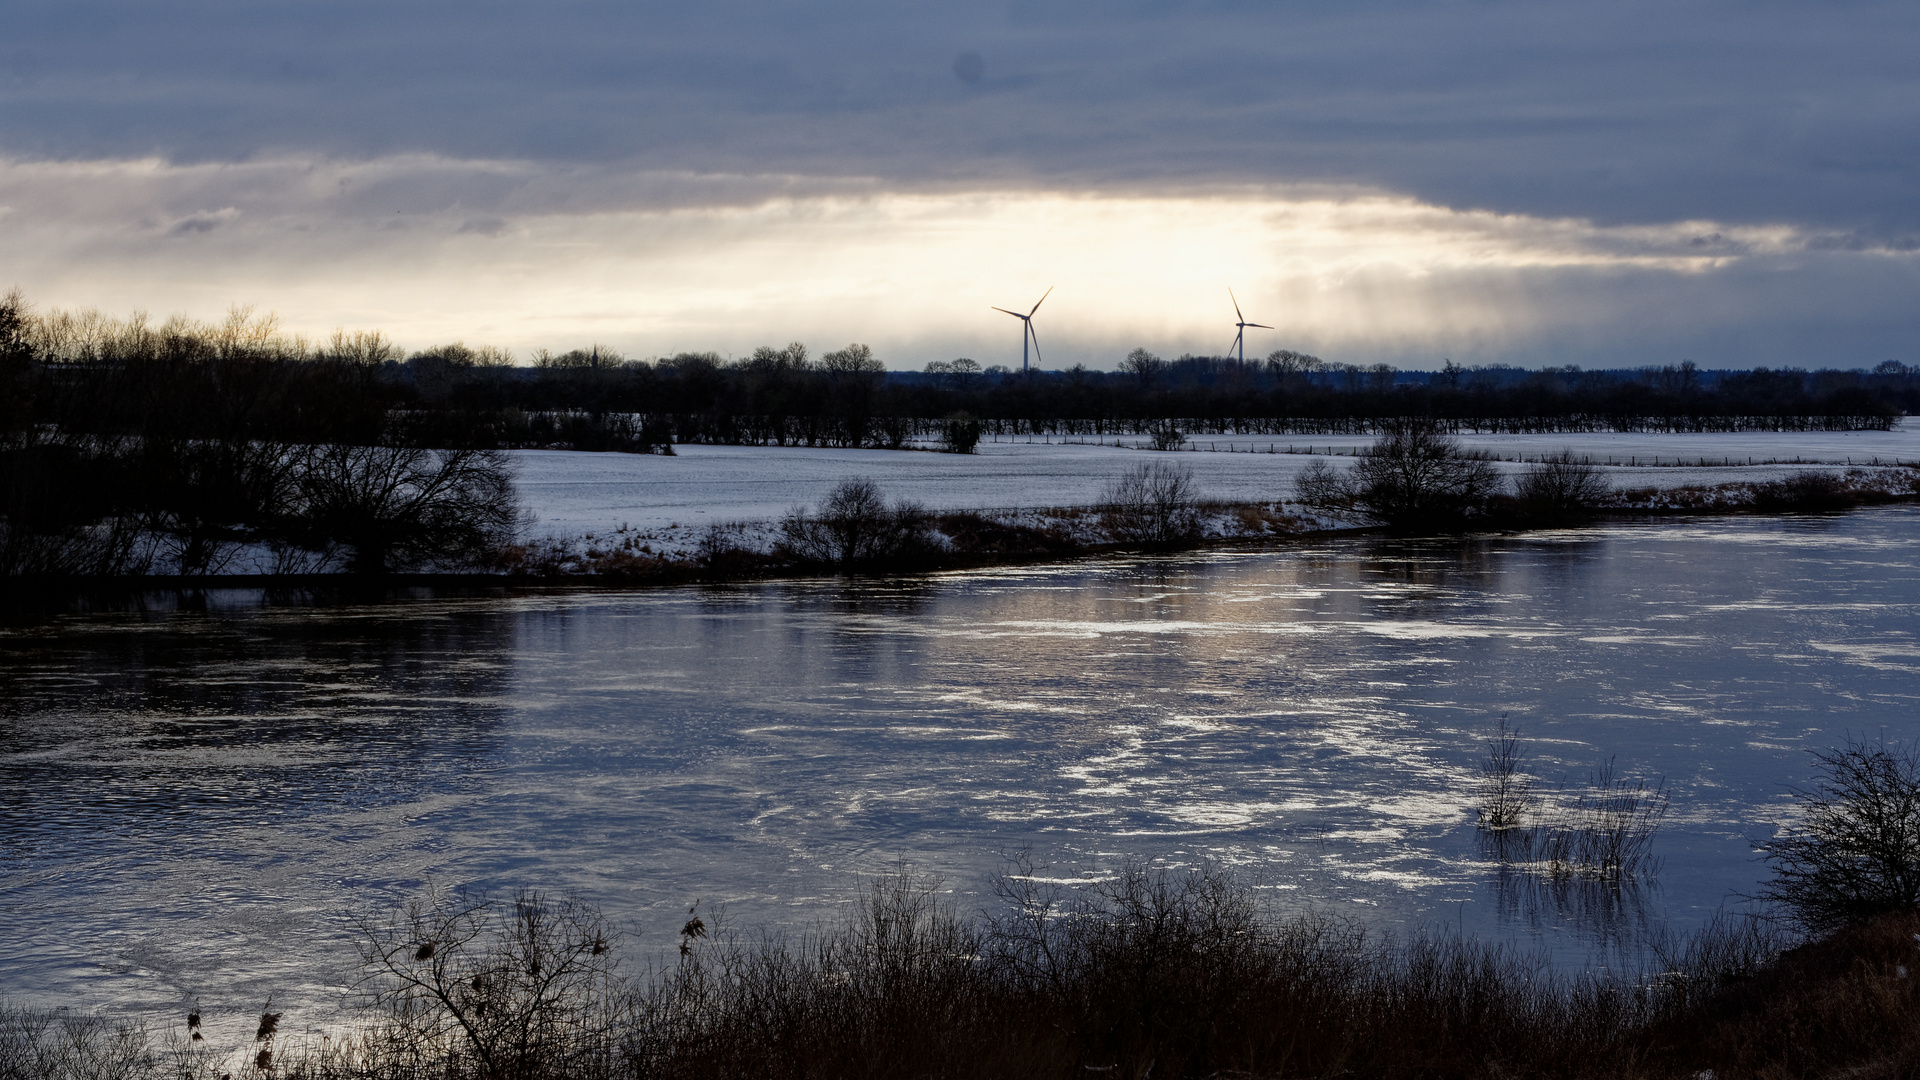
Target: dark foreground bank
1151	974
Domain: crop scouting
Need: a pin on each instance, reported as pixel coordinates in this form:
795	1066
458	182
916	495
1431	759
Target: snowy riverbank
672	500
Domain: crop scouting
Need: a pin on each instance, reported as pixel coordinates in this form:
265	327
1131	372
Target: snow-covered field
672	498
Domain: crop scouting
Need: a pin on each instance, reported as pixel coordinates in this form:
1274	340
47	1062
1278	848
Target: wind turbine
1240	338
1026	332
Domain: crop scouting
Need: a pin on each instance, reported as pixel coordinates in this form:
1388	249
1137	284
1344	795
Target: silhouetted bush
1166	435
69	507
1852	852
1561	488
1604	833
1506	793
519	990
37	1044
854	524
1808	491
1414	476
1608	831
399	507
959	434
722	552
1840	1006
1153	504
972	533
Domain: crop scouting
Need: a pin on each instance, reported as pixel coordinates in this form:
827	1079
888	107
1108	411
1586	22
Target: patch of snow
671	500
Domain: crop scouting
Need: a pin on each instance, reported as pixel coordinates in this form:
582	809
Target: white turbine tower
1026	331
1240	337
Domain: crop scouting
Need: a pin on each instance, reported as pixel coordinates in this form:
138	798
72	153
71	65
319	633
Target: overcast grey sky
1738	182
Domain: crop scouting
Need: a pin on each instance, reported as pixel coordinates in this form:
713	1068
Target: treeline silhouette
130	448
780	396
83	372
127	444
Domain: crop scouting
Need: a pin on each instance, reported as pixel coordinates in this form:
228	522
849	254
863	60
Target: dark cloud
1623	112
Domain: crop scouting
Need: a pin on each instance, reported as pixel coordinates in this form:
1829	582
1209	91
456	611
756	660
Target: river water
195	800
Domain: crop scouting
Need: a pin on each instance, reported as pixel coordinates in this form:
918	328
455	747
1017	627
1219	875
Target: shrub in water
1505	792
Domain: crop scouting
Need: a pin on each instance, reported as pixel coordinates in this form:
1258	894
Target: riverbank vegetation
1164	974
1146	972
130	448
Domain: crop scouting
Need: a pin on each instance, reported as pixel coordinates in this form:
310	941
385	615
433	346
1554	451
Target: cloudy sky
1589	182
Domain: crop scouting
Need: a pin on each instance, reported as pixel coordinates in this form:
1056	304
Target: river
197	799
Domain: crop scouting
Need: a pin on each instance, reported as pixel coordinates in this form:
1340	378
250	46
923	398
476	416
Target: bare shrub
1732	947
970	532
1165	435
1153	504
1561	487
1841	1006
1853	849
42	1045
69	507
1414	475
1811	490
1605	833
854	524
526	989
1506	793
724	550
899	983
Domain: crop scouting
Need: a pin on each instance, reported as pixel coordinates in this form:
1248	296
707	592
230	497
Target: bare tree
1285	363
1143	366
398	506
855	359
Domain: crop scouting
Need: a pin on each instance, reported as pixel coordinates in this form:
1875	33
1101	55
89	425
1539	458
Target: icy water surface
193	803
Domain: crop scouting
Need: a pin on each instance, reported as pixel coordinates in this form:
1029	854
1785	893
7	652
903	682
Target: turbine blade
1236	305
1042	300
1015	314
1262	326
1036	336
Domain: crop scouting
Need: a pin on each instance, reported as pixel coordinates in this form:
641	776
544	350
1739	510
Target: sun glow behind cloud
432	249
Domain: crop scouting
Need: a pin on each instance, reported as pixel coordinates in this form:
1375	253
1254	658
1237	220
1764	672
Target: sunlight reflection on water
192	801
